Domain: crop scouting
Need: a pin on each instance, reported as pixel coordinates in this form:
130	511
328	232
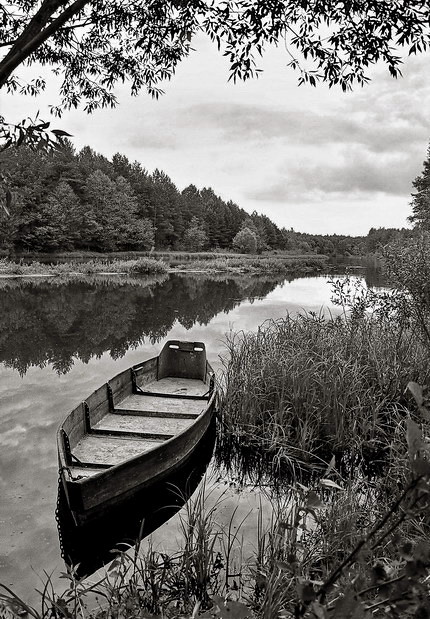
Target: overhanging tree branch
33	36
142	42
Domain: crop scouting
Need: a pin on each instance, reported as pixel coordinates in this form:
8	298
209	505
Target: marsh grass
318	547
303	388
160	263
282	264
137	266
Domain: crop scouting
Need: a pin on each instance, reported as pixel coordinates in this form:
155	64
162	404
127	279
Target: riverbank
139	266
168	262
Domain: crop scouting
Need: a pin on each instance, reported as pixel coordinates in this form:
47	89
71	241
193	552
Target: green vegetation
307	387
57	36
160	263
139	266
67	201
82	202
277	265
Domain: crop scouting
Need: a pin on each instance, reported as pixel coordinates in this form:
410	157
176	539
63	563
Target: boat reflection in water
88	547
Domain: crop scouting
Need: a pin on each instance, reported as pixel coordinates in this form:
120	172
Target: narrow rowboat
91	544
135	429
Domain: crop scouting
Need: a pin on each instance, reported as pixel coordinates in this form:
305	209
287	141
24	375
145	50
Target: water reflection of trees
370	268
45	322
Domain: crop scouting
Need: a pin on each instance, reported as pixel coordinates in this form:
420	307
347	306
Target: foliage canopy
421	198
94	44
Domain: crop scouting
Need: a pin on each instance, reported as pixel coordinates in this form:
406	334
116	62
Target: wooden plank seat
110	450
160	404
130	412
143	424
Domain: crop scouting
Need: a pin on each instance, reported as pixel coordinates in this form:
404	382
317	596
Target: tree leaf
328	483
331	466
61	133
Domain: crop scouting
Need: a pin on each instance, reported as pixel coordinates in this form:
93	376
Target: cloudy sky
317	160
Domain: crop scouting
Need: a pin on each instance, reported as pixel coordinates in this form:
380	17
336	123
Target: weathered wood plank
111	450
146	372
178	386
138	471
154	414
146	403
74	425
98	397
121	386
150	425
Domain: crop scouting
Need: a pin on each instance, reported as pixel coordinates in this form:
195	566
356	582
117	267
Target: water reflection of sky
32	403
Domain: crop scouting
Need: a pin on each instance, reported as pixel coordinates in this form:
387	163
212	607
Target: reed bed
252	264
303	388
137	266
331	554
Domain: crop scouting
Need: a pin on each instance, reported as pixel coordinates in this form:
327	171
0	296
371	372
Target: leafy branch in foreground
34	133
95	44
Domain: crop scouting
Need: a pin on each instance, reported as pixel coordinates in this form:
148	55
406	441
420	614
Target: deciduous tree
195	237
93	44
245	241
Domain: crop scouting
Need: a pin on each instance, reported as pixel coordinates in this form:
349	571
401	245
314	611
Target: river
61	340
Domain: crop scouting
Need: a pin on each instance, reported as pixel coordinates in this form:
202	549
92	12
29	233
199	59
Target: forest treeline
68	201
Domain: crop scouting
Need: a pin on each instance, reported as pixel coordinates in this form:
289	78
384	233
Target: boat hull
87	490
88	545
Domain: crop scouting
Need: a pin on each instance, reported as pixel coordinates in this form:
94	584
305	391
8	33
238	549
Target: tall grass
305	387
316	550
160	263
138	266
251	264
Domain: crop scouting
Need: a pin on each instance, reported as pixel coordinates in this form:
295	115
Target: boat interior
137	410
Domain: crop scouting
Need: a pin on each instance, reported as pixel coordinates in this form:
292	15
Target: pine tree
421	199
58	223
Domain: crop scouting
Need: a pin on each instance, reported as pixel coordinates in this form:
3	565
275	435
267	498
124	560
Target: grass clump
136	266
327	551
284	265
20	268
306	387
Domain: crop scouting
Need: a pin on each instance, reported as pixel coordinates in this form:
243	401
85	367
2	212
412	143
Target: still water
60	341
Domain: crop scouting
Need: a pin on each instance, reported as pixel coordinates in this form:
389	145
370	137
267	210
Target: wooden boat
88	546
135	429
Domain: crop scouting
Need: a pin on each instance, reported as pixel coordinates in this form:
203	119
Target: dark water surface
59	341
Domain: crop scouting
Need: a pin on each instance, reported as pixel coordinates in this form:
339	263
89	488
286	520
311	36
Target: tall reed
305	387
